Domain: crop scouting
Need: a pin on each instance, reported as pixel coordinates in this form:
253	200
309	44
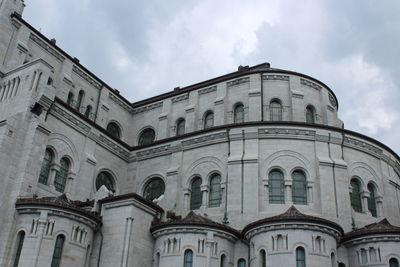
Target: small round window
154	189
147	137
105	178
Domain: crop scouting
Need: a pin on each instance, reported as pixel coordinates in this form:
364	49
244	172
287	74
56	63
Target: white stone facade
240	132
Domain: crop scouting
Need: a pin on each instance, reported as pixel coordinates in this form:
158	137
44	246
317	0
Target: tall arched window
276	187
88	111
114	130
180	126
57	254
300	257
20	243
238	113
263	259
157	260
310	114
208	119
215	195
333	260
188	258
275	110
154	189
241	263
81	94
372	199
223	261
147	137
355	195
106	179
393	262
46	164
61	175
299	188
196	196
70	98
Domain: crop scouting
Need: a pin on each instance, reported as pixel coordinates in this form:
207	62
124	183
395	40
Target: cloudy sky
144	48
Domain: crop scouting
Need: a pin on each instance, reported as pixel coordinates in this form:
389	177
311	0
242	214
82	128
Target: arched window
300	257
70	98
299	188
154	189
61	175
114	130
88	111
223	261
276	187
393	262
275	110
46	164
241	263
208	119
263	259
196	196
58	248
333	260
147	137
372	200
355	195
81	94
188	258
341	264
310	114
157	260
238	113
215	195
106	179
180	126
20	243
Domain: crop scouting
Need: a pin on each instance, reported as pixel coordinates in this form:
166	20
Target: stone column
204	191
190	119
127	239
54	168
364	199
379	206
68	186
288	192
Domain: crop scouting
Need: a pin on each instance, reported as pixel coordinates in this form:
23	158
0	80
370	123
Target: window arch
46	165
341	264
372	200
393	262
58	248
19	245
106	179
263	259
276	187
180	126
215	195
157	260
81	94
241	263
300	257
223	261
333	260
188	258
154	189
70	98
147	137
299	188
310	114
275	109
355	195
114	130
61	175
238	113
196	196
208	119
88	111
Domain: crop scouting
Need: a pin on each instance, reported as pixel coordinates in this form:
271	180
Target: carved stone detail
86	77
310	84
113	147
70	119
148	107
238	81
207	90
180	98
332	101
46	47
152	152
120	103
276	77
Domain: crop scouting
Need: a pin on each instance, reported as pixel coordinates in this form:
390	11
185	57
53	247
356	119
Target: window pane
371	200
70	98
393	262
61	175
263	258
196	196
106	179
20	243
58	251
147	137
154	189
275	111
208	120
355	196
180	127
300	257
310	116
79	100
188	259
215	191
299	189
46	164
114	130
276	187
239	114
241	263
223	261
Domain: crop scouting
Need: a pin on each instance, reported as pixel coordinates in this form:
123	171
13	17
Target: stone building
253	168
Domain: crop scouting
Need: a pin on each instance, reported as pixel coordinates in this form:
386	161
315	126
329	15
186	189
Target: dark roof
382	227
61	202
294	216
135	196
193	219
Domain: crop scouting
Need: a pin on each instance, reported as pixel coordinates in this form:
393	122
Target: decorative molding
113	147
180	98
153	152
22	47
46	47
330	108
207	90
332	100
86	77
70	119
361	145
276	77
310	84
147	108
120	103
238	81
219	100
204	140
286	132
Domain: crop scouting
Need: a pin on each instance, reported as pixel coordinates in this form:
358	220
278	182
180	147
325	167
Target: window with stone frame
299	188
300	257
106	179
275	110
60	180
147	137
223	261
154	189
79	100
188	258
310	114
114	130
208	119
355	195
238	113
196	196
393	262
58	249
263	258
372	200
276	187
70	99
46	165
241	263
215	195
19	243
88	111
180	127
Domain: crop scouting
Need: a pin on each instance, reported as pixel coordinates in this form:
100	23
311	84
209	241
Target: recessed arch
114	129
238	113
147	136
208	119
180	126
215	194
154	188
355	194
275	109
106	178
310	114
196	195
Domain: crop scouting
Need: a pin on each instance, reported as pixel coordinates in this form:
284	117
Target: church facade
252	168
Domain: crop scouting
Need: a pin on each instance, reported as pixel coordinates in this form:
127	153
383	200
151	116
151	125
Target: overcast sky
144	48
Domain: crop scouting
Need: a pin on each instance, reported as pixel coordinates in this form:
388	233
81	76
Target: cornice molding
86	77
46	47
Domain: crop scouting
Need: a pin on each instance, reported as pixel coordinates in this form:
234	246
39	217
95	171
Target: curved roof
292	215
382	227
